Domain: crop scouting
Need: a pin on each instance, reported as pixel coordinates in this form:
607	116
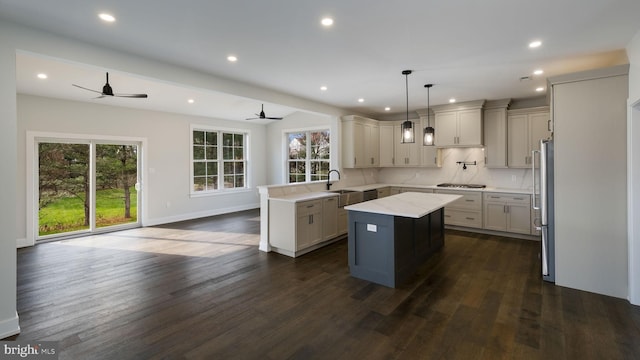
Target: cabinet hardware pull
469	200
495	197
470	218
518	198
309	206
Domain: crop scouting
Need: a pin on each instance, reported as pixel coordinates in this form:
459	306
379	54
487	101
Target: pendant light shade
429	132
408	131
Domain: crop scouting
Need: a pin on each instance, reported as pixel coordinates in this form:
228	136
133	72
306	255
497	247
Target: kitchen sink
347	197
463	186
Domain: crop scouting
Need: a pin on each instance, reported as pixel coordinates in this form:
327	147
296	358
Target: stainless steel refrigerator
543	204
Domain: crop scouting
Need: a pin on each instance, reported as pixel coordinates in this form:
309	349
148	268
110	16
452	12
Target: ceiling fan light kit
108	91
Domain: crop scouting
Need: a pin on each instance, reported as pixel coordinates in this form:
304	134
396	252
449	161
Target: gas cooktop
467	186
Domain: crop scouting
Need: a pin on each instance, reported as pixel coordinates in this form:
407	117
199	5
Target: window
219	160
308	155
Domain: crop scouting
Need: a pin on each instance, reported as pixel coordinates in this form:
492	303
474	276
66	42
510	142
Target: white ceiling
469	49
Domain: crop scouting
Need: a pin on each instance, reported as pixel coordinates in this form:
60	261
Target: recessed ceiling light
361	100
232	58
535	44
538	72
387	109
107	17
539	89
323	88
191	101
42	76
327	21
452	100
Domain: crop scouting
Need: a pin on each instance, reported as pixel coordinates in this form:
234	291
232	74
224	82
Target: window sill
221	192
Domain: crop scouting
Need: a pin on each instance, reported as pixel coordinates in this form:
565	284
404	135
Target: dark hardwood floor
202	290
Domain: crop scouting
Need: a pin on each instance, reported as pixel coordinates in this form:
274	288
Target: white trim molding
633	200
9	327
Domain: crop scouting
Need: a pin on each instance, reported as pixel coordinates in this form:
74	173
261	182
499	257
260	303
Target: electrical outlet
514	178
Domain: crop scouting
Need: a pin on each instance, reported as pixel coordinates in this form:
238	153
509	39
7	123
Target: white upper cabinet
387	143
407	154
459	125
360	142
430	156
526	127
495	133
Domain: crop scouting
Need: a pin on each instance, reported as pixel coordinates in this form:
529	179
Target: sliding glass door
86	187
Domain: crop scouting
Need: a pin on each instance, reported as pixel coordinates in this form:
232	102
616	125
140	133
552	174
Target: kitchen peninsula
390	237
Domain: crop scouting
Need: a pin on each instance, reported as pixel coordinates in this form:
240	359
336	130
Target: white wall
8	315
633	168
166	170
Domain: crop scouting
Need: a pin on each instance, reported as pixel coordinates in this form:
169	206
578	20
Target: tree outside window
308	155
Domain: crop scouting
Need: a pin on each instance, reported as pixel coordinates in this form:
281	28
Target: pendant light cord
406	78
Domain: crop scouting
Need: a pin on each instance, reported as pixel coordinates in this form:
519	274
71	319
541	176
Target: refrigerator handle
533	176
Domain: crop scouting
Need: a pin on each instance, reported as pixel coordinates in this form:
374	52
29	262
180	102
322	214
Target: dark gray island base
387	249
390	237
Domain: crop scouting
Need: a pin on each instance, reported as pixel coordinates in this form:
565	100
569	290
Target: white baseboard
20	243
200	214
9	327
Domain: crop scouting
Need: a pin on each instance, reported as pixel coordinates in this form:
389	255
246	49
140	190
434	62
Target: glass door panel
116	178
63	188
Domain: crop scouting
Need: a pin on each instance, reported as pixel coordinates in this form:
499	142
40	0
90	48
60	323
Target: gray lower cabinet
507	212
314	222
466	211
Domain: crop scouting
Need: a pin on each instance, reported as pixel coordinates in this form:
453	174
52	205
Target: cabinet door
538	129
495	216
470	127
518	141
358	145
431	156
495	138
329	218
446	128
308	223
519	219
387	147
371	145
406	154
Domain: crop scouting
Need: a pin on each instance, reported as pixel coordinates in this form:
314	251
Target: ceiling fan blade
84	88
137	96
273	118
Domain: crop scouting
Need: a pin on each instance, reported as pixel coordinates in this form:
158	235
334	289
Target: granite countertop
408	204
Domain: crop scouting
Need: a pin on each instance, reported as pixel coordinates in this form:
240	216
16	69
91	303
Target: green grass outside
67	214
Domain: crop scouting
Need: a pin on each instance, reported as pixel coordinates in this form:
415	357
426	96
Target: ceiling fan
108	91
263	116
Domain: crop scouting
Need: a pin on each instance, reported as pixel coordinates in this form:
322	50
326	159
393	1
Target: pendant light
408	133
429	132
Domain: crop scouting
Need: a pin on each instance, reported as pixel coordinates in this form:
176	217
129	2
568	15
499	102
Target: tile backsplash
451	172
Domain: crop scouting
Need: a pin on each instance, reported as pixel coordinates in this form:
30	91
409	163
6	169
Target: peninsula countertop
407	204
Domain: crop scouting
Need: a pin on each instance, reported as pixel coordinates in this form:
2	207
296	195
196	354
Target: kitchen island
389	238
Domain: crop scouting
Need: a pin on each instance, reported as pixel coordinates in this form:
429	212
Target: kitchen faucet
329	178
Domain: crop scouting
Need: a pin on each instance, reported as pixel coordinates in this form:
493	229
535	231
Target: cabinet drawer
463	218
513	199
469	201
308	207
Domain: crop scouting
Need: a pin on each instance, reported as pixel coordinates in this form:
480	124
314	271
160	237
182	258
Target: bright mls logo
28	350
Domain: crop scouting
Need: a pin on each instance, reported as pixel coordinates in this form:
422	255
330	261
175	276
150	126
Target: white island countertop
407	204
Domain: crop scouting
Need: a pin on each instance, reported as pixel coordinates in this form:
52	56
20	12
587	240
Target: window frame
220	161
308	161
